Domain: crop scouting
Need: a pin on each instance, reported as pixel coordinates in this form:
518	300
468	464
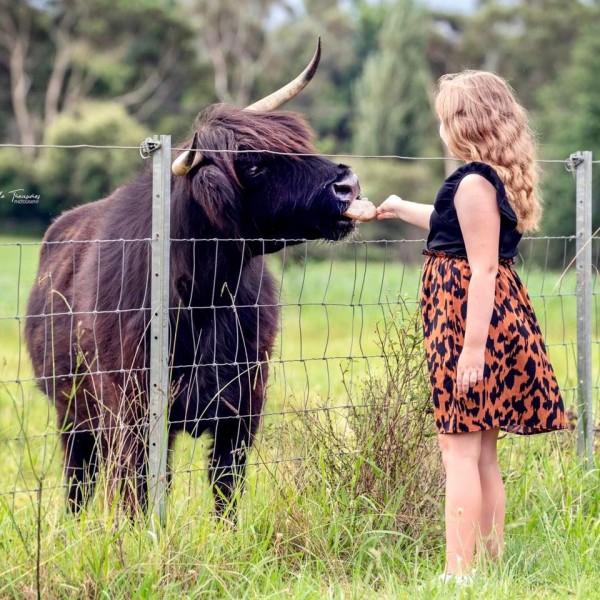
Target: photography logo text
19	197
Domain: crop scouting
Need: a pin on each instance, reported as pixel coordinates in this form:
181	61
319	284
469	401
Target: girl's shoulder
448	188
491	175
479	168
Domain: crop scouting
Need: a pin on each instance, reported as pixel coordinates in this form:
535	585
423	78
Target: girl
487	361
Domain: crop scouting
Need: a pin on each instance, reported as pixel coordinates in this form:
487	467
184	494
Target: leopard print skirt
519	392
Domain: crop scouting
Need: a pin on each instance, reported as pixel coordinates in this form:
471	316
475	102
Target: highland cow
256	183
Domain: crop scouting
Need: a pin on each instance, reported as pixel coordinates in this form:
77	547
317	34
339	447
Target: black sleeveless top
444	230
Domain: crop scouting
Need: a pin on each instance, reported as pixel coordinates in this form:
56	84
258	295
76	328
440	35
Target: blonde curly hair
484	122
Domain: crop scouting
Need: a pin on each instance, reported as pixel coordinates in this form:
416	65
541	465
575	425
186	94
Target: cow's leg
81	466
238	419
232	440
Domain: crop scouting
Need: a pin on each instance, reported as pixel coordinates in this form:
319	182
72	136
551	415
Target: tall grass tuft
377	457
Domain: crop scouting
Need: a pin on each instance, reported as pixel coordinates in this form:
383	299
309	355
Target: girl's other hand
390	208
469	370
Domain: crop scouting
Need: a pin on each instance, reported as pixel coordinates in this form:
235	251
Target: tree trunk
14	37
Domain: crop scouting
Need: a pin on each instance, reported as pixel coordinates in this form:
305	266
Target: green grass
290	544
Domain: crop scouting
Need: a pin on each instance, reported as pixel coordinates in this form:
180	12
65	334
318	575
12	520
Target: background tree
393	109
86	174
60	53
569	120
328	99
232	35
152	65
20	27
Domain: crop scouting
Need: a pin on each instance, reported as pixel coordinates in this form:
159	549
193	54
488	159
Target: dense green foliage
89	174
398	89
156	63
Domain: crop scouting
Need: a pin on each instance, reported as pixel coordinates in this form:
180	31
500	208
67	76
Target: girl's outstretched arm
411	212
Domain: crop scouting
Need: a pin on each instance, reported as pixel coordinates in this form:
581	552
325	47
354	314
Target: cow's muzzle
347	189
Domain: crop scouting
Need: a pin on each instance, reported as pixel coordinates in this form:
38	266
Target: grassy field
292	541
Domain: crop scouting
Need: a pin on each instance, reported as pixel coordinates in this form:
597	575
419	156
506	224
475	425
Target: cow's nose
348	188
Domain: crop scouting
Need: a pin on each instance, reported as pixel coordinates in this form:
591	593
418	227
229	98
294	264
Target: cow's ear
216	194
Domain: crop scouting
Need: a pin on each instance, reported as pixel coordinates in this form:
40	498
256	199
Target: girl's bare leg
493	497
461	455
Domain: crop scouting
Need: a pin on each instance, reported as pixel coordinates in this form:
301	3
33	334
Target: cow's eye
255	170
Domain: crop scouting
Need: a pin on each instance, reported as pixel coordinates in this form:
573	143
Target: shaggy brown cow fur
87	328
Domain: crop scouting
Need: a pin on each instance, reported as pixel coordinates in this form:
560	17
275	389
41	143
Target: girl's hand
469	369
390	208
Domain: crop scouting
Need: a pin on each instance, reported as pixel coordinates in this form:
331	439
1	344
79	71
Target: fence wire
330	300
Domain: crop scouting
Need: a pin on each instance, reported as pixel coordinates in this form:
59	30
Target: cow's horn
287	92
186	161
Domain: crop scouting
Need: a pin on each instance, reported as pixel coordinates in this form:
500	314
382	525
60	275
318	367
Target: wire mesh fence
287	347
